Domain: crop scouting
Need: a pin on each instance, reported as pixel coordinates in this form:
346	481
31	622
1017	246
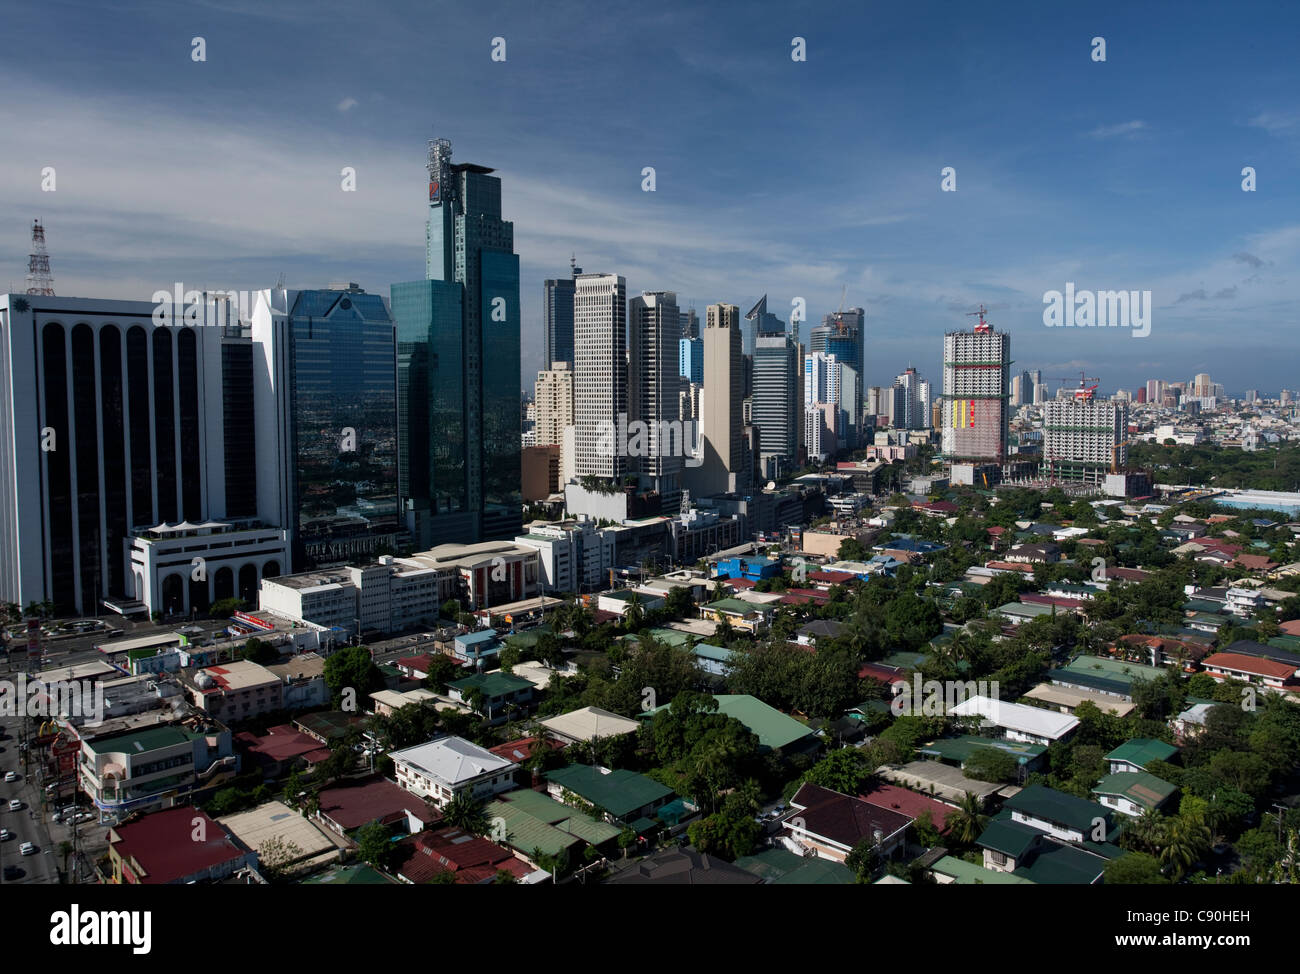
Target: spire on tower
39	280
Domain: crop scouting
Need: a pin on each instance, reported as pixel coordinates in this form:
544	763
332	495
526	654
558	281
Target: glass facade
240	446
458	365
344	430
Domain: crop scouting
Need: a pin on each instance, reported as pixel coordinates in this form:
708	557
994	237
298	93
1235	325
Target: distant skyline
795	179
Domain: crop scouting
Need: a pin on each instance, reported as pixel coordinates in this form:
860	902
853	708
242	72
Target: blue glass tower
459	417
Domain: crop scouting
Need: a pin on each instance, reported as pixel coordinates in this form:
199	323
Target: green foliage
374	845
1133	869
991	764
352	667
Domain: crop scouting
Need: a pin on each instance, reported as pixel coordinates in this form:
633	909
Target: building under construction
1084	439
976	385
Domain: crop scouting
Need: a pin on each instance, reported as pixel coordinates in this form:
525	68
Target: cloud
1273	122
1122	129
347	104
1197	295
1250	259
1227	292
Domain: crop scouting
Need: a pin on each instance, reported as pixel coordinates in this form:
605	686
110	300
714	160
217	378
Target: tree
1186	839
374	845
966	824
466	812
352	668
845	771
276	855
1134	868
991	764
259	651
504	877
864	858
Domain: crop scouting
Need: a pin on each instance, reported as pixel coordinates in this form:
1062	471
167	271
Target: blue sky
807	179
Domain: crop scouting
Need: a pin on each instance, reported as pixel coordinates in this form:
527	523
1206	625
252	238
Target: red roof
996	531
833	578
1255	562
1128	574
353	804
1014	566
881	672
164	845
909	803
1291	627
740	582
1060	601
1253	665
842	818
473	859
281	743
419	664
521	750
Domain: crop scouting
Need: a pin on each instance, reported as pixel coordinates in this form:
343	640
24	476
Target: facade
325	399
558	304
1084	439
553	396
723	467
112	422
449	766
690	354
976	388
235	556
776	407
572	555
234	691
654	327
600	372
458	364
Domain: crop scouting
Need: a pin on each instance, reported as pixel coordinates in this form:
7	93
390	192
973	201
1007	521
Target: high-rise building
821	378
458	364
600	373
690	323
326	405
723	466
976	384
127	451
553	399
1083	437
1040	390
558	305
776	407
653	370
911	405
844	335
690	353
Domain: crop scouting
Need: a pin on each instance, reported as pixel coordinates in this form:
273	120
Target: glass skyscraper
458	364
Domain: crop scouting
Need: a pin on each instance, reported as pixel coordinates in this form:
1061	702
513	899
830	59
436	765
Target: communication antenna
39	280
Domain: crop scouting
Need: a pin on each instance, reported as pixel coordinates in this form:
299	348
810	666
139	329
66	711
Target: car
11	776
28	849
15	804
5	835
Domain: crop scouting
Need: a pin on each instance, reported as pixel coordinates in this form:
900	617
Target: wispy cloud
1122	130
1274	122
347	104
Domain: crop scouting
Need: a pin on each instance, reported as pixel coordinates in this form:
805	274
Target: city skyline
1123	174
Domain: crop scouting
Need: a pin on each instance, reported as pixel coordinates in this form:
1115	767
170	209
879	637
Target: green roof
774	729
1141	751
138	742
620	792
784	867
960	749
738	606
1008	837
1055	806
968	874
535	821
1114	668
1057	864
1139	787
491	684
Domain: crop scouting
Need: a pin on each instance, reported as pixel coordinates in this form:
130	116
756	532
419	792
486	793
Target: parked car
5	835
28	849
11	776
15	804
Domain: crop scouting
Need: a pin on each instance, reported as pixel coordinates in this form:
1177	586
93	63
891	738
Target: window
998	858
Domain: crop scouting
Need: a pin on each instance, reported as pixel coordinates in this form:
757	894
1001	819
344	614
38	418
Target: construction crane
981	326
1114	452
1084	391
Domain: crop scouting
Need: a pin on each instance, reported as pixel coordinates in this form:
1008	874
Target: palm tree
1144	833
969	821
466	812
1186	839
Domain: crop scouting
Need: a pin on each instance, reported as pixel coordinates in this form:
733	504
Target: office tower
844	335
599	374
976	380
326	406
1155	390
762	322
458	364
1252	395
820	421
1040	390
653	336
776	408
553	400
722	468
821	378
690	323
1202	385
126	452
691	357
1015	390
558	305
1141	395
1083	437
878	401
850	421
911	405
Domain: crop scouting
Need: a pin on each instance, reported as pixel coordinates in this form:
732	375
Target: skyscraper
843	334
776	410
911	401
326	407
1082	437
127	452
553	399
654	329
458	364
691	358
723	467
558	305
976	381
600	373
